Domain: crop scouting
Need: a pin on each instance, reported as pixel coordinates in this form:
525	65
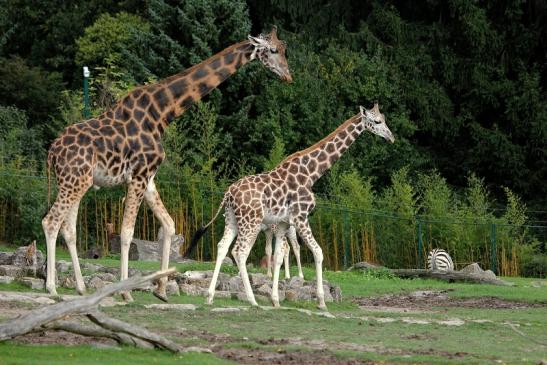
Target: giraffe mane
324	140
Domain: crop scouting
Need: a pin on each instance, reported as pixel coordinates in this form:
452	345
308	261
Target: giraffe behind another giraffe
284	196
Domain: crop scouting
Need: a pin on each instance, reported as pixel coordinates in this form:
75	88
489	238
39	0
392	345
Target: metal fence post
346	239
420	244
494	253
87	114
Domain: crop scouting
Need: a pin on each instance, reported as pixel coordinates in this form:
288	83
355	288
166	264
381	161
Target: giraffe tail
200	232
49	165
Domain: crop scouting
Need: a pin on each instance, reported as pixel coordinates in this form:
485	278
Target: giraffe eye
273	50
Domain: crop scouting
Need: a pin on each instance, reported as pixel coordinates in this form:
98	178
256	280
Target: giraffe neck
155	106
319	157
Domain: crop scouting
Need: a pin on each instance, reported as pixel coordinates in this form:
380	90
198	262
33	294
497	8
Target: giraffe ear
376	108
257	41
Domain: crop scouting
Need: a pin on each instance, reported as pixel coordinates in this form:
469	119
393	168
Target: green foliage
379	274
17	140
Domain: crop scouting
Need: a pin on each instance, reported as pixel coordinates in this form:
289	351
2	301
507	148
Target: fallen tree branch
448	276
41	316
133	330
97	331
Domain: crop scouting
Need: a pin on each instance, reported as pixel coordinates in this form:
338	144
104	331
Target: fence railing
346	236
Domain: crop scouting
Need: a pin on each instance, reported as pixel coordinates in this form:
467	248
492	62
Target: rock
223	294
12	270
33	283
106	276
258	279
336	293
92	267
489	274
226	310
235	284
179	307
227	261
265	289
6	258
63	266
44	300
192	290
172	288
327	294
143	250
296	282
94	253
6	279
291	295
68	282
196	275
94	282
472	269
241	296
21	258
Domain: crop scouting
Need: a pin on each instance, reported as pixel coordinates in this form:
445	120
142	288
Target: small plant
379	273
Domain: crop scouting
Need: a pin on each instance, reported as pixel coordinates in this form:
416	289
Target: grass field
377	322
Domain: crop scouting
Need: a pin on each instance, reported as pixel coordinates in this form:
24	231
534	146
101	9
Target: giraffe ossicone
284	196
123	146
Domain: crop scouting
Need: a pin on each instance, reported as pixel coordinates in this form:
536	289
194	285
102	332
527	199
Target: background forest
461	82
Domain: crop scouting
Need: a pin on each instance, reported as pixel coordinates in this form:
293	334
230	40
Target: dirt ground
426	300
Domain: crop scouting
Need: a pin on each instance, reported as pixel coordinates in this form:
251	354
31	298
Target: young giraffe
123	146
284	197
269	230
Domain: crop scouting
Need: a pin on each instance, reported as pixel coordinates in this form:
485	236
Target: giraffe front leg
152	198
245	241
269	237
304	231
68	230
230	232
133	201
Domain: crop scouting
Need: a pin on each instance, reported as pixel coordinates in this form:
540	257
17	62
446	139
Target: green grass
354	333
12	354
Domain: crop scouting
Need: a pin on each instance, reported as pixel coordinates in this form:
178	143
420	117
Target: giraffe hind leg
230	232
241	250
152	198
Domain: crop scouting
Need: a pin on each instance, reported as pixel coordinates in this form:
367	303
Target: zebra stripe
439	260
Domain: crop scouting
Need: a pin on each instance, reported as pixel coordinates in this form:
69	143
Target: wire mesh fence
347	236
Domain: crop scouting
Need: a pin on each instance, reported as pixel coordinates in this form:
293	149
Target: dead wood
41	316
118	326
448	276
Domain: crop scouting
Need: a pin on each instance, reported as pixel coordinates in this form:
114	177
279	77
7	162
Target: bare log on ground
135	331
41	316
448	276
97	331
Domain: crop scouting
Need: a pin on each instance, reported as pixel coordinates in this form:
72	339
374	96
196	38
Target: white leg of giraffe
240	252
269	237
286	259
281	248
304	231
230	232
66	198
68	230
133	201
291	234
152	198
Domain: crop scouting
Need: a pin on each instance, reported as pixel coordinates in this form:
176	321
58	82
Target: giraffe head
375	122
271	52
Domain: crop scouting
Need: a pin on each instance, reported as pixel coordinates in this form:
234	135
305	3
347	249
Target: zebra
439	260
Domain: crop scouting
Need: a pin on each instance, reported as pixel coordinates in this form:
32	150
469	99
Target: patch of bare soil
257	356
423	300
64	339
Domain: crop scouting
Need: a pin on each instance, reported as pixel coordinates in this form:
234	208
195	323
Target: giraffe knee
169	227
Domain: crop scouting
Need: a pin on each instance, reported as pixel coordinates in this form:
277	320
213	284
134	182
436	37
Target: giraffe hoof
81	291
209	301
126	296
161	296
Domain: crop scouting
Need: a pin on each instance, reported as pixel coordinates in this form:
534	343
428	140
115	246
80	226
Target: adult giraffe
284	196
123	146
